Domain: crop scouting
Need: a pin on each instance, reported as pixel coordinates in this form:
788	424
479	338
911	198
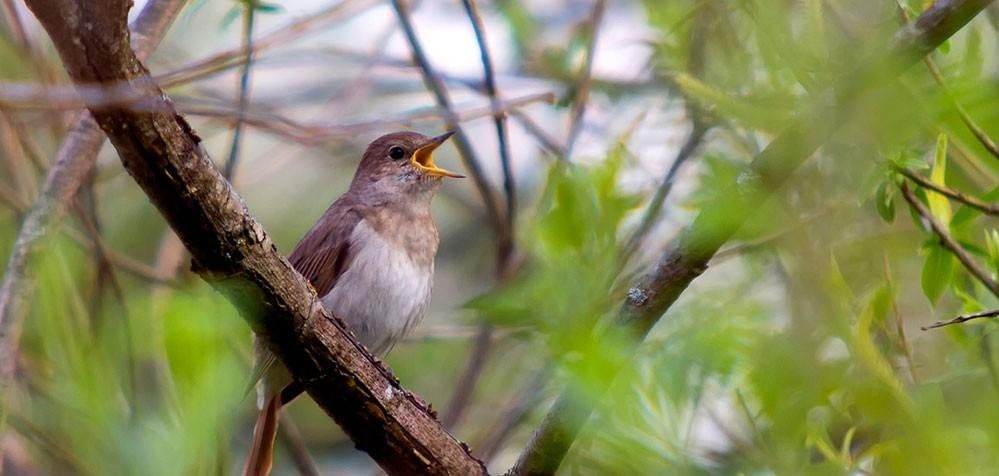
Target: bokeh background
799	351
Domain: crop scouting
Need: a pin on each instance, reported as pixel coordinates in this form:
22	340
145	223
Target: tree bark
232	252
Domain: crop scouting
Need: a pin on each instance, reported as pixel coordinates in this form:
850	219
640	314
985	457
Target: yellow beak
423	158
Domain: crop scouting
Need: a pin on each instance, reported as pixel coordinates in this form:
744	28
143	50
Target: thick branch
949	242
232	252
688	257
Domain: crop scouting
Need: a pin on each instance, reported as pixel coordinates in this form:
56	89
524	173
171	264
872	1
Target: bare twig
232	252
244	87
436	85
499	119
282	36
465	386
73	161
718	220
535	130
513	414
963	318
699	127
292	437
585	79
990	208
949	242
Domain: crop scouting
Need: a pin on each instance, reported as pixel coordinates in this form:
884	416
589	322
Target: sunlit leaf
939	205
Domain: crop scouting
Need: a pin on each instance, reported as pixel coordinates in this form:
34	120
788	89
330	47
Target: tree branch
232	252
436	85
962	318
949	242
688	256
990	208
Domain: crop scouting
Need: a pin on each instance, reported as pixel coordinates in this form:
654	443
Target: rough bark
689	255
232	252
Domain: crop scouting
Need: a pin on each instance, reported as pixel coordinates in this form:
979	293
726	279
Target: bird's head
401	163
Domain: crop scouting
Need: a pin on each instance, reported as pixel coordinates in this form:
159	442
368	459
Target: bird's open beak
423	158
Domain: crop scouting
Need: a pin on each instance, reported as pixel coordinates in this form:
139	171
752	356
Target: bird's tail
261	456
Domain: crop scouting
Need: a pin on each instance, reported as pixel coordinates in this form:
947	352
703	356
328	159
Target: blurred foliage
799	351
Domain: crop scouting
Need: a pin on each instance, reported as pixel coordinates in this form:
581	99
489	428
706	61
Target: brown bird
370	258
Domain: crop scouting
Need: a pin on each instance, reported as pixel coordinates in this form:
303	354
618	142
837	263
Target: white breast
383	293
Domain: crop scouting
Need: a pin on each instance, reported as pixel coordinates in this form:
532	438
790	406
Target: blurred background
800	349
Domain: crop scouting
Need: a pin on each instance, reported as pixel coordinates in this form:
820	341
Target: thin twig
535	130
990	208
962	318
699	128
585	79
970	123
292	437
522	401
466	384
949	242
499	119
464	145
244	87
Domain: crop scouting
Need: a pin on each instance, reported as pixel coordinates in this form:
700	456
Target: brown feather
324	253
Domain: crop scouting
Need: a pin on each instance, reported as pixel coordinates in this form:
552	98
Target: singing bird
370	258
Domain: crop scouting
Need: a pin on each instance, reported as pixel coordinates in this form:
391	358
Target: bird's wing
324	253
321	256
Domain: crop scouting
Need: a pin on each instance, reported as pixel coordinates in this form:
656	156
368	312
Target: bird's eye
397	153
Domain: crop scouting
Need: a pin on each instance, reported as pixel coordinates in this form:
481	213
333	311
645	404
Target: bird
370	258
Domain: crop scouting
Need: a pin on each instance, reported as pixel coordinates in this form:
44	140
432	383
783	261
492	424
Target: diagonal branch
949	242
232	252
963	318
436	85
687	258
990	208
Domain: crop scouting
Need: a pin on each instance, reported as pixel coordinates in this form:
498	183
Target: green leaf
939	205
884	201
937	272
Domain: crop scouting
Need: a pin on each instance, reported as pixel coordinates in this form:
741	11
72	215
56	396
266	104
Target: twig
718	220
535	130
466	384
244	87
292	437
699	127
499	119
962	318
513	414
585	79
970	123
990	208
294	30
464	145
949	242
75	158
